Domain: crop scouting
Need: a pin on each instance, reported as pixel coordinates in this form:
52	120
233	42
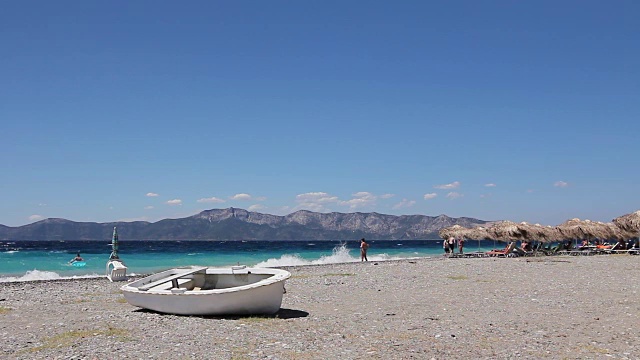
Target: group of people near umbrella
623	232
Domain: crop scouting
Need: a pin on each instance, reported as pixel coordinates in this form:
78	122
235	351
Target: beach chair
539	250
116	270
506	252
476	254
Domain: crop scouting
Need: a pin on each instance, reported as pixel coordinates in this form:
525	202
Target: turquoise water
41	260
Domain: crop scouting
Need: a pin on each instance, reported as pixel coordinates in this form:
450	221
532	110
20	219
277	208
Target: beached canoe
198	290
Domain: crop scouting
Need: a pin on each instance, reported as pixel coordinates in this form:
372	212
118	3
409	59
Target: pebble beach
557	307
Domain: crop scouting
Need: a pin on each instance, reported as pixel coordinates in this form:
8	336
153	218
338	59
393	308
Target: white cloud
42	204
256	207
404	204
317	197
148	207
530	190
360	199
430	196
454	195
490	185
150	194
175	202
211	200
387	196
315	201
36	217
453	185
319	201
261	198
561	184
240	197
483	196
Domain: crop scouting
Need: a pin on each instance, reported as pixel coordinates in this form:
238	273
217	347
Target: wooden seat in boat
172	278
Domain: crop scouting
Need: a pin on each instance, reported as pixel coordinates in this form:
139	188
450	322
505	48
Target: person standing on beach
363	250
460	245
445	246
452	244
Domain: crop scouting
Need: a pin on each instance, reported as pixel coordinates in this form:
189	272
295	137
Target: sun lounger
116	270
476	254
507	252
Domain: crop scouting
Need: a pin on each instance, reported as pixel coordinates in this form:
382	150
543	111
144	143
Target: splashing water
339	254
32	275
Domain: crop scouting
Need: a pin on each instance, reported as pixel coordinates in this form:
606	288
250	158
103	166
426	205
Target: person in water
77	258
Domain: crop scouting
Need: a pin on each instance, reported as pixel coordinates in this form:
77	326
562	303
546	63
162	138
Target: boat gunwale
277	275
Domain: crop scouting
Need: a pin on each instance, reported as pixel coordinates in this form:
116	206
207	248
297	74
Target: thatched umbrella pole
478	233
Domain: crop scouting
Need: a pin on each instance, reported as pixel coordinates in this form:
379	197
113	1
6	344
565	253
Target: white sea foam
11	251
32	275
339	254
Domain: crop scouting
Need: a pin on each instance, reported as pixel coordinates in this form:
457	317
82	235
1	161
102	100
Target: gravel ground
530	308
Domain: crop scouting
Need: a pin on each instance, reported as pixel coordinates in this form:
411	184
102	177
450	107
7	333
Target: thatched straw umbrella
576	229
477	233
458	232
455	231
506	231
610	231
539	233
629	223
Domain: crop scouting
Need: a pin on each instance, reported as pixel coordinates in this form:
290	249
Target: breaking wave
34	275
339	254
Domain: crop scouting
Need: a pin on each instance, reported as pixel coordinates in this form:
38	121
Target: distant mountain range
238	224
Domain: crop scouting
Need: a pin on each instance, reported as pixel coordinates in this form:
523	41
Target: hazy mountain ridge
239	224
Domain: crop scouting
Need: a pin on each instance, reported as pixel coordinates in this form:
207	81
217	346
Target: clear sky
144	110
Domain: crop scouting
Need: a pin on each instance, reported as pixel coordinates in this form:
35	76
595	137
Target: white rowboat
198	290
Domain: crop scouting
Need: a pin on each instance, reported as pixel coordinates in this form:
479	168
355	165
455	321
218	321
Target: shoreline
548	307
82	277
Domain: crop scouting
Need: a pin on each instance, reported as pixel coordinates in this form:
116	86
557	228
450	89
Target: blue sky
145	110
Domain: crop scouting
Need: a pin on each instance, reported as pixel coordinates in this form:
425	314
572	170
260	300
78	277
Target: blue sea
46	260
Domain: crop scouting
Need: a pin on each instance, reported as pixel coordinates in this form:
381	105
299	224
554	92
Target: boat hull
214	291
